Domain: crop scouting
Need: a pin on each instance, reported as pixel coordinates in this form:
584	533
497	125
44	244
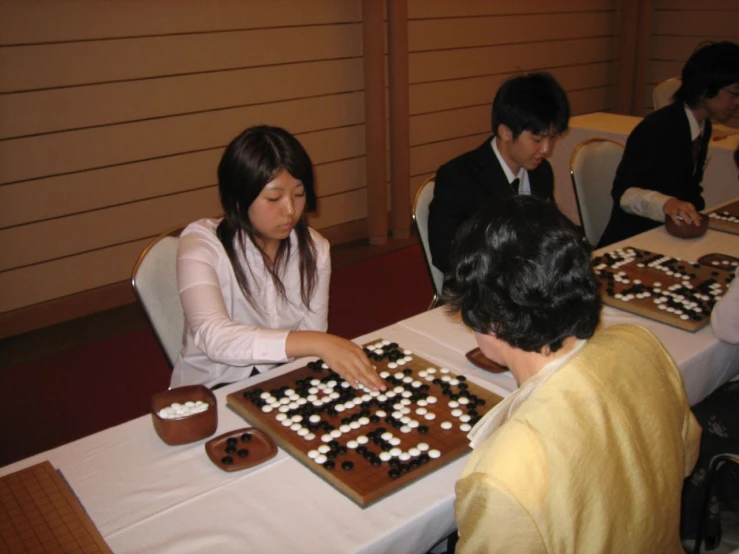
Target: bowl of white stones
184	414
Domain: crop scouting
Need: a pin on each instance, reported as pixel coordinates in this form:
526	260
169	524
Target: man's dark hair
535	103
708	70
522	271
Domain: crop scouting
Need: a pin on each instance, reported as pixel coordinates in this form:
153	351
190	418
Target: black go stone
334	444
331	454
423	429
243	453
329	464
227	460
231	441
246	437
394	462
230	449
361	450
393	474
347	465
377	462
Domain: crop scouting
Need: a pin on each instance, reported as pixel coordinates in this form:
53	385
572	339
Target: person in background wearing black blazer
528	113
662	167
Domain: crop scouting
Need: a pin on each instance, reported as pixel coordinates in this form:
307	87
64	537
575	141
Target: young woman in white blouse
254	284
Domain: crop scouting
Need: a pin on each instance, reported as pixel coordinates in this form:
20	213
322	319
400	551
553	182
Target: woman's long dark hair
252	160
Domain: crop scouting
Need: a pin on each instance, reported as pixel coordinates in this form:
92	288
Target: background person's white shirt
650	203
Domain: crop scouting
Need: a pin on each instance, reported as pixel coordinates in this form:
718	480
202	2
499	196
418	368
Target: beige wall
113	115
678	28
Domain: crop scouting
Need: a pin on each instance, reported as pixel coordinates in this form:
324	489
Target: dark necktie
514	185
696	151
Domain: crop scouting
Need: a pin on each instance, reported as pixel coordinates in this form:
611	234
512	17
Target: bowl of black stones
687	230
184	414
240	449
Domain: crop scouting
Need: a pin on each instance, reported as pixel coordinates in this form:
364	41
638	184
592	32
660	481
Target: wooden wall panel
54	154
113	115
58	109
421	9
32	21
681	26
32	285
441	34
509	58
39	66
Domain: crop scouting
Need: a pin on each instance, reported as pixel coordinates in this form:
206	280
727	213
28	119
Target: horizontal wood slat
440	34
38	21
691	22
424	9
80	63
95	105
509	58
41	156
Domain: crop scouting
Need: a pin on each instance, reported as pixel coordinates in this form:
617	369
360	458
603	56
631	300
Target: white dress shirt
650	203
225	336
523	177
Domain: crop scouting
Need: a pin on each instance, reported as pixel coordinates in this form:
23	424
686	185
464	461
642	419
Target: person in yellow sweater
590	453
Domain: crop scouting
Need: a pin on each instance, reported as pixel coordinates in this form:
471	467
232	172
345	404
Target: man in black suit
529	112
662	167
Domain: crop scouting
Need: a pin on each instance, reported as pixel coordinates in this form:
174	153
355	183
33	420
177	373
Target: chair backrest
421	217
154	280
592	168
663	92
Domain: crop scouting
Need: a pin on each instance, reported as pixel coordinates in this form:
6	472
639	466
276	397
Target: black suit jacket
465	184
658	156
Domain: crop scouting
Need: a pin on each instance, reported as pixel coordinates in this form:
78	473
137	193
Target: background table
704	361
720	181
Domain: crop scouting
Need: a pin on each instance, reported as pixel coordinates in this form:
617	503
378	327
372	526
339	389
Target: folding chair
421	218
592	168
663	92
154	280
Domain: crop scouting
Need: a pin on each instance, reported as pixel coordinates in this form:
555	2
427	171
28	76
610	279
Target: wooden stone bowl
185	429
686	230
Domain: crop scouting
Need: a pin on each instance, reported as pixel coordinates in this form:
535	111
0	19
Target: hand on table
349	360
681	212
341	355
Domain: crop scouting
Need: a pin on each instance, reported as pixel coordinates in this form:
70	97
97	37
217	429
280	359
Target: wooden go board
368	444
40	514
669	290
725	219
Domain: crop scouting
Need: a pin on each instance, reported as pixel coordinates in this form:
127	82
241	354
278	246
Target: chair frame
716	463
436	300
172	232
577	149
669	79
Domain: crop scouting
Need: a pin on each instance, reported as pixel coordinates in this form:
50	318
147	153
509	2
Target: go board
369	444
725	219
39	514
669	290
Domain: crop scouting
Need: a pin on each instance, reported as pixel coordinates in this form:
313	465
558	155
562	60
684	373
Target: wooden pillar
400	172
641	57
629	22
373	40
633	56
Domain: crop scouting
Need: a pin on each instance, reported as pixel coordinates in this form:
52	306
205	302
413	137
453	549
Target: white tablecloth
720	181
145	496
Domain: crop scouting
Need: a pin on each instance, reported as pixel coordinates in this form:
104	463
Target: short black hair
522	271
535	102
708	70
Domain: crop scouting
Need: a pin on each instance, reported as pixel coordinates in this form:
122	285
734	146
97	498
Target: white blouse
225	337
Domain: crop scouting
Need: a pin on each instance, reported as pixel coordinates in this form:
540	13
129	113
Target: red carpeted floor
54	400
